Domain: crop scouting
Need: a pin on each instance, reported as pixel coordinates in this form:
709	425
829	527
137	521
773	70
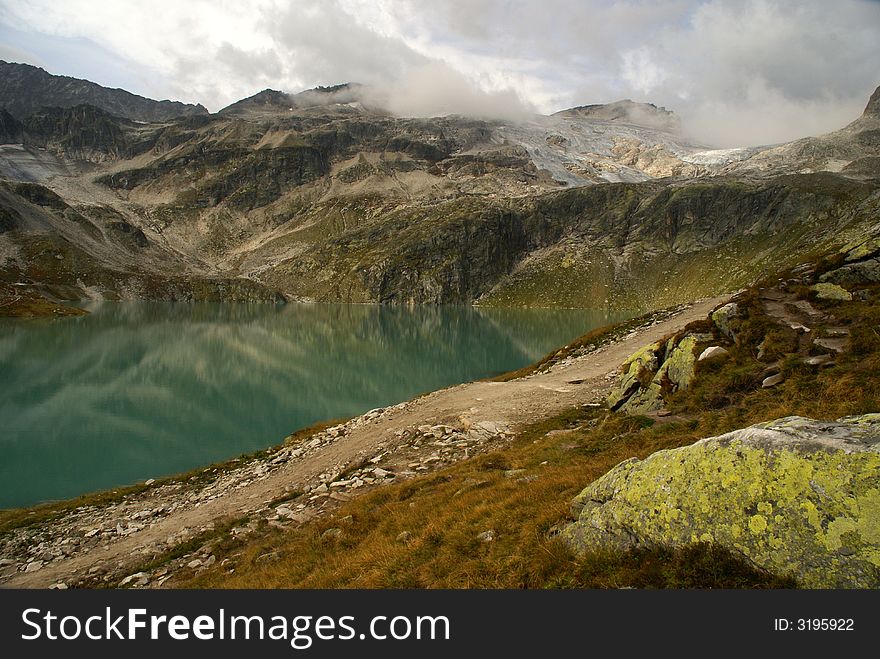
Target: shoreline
106	542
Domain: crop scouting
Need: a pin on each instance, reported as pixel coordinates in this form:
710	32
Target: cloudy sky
737	71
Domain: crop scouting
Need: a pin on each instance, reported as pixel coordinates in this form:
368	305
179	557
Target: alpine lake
139	390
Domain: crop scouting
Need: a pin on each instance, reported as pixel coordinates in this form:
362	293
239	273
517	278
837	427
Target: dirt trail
506	404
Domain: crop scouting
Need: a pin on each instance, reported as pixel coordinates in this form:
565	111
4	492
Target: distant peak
627	111
873	107
318	96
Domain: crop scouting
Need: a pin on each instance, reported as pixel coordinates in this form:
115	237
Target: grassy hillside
434	531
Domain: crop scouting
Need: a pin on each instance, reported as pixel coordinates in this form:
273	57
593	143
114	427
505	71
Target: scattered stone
513	473
58	585
404	537
340	496
831	343
486	536
712	351
487	427
378	472
34	566
269	557
333	534
819	360
141	579
283	511
772	381
149	481
193	564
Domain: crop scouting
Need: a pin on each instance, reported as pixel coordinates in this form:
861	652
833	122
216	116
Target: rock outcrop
658	368
795	496
664	367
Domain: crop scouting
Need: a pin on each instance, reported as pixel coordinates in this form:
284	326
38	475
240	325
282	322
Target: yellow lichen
768	504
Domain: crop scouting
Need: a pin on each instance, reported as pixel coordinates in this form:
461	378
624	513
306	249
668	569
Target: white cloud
738	71
640	71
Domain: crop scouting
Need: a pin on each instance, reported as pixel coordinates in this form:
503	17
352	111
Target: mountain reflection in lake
139	389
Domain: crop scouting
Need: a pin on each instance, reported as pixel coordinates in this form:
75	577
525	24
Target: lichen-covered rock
637	368
795	496
863	272
723	316
863	250
654	370
826	291
678	367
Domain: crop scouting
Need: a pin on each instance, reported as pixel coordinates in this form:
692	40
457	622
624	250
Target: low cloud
436	89
737	72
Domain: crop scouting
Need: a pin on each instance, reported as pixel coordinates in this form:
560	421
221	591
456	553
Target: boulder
863	272
819	360
794	496
636	369
654	370
772	381
712	351
826	291
863	250
678	367
486	536
723	317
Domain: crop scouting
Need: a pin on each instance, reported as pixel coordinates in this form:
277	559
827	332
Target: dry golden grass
424	533
445	513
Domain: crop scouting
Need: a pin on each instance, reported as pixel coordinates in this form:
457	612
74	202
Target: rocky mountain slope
25	89
323	196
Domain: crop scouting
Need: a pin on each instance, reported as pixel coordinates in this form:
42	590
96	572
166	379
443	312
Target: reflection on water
139	389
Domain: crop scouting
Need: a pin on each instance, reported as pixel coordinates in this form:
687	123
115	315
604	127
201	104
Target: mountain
24	89
273	101
627	111
323	196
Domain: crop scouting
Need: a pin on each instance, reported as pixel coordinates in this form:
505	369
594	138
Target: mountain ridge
25	89
320	196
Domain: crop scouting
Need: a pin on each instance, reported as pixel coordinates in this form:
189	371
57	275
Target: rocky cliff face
319	196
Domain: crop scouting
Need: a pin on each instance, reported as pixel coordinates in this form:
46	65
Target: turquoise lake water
139	390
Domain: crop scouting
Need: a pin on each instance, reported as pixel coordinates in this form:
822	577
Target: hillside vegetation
489	522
